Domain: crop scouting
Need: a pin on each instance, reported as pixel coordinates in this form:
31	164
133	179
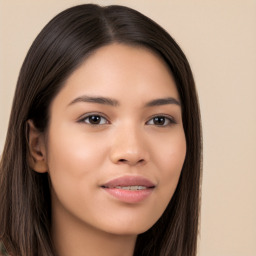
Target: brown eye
161	121
95	120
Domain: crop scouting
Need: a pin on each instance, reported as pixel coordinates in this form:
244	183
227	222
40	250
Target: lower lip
129	196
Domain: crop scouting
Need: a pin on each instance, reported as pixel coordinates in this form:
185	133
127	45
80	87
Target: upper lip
129	181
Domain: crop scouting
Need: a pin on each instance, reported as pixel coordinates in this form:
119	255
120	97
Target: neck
73	237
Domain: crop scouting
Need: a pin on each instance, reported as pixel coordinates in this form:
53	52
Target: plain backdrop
219	39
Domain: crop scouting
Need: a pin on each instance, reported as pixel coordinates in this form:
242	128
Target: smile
129	189
132	187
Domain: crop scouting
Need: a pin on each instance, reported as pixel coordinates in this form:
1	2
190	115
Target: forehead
123	72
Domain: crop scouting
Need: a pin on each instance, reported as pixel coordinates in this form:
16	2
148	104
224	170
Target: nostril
122	160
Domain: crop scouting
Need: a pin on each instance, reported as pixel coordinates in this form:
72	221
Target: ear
37	148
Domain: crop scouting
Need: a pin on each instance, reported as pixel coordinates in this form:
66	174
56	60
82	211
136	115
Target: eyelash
168	120
101	116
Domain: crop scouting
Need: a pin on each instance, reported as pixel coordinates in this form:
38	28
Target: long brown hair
65	42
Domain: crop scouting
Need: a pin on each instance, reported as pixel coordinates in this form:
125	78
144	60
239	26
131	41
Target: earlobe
37	149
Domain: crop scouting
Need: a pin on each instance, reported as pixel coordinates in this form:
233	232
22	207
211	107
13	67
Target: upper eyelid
163	115
82	117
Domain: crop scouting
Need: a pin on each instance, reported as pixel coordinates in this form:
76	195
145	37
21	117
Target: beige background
219	39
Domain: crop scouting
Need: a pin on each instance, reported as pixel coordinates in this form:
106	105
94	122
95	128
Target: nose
129	148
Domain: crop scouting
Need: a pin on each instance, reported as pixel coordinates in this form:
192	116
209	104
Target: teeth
131	187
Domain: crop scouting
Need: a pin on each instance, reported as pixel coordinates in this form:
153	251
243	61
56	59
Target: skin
80	156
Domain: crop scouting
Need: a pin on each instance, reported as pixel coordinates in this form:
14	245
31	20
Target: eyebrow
98	100
115	103
164	101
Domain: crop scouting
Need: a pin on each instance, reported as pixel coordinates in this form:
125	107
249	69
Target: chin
128	228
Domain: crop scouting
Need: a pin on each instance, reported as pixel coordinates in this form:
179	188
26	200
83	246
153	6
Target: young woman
103	151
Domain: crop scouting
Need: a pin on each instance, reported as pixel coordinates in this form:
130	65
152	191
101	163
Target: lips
126	181
129	189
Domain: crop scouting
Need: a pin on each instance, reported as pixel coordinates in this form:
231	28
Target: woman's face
115	142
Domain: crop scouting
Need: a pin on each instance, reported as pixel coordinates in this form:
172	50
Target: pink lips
129	189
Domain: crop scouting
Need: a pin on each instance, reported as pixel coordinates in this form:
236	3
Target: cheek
170	159
72	152
175	157
72	158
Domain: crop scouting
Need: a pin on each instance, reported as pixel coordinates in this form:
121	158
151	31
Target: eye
161	121
94	120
